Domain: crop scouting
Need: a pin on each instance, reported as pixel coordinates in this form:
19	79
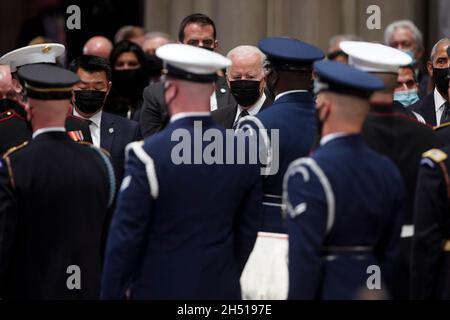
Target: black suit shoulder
225	116
425	107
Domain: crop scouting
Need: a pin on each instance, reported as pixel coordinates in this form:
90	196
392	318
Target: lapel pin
111	130
223	90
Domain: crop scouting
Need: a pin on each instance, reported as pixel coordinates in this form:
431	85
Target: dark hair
127	46
411	67
197	18
91	64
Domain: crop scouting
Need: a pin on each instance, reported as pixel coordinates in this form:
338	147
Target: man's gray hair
245	51
406	24
443	41
157	34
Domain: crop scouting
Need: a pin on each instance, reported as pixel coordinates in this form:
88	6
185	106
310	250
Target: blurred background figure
404	35
98	46
334	50
133	34
407	91
152	41
129	78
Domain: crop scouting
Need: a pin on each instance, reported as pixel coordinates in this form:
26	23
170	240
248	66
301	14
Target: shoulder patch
14	149
436	155
445	125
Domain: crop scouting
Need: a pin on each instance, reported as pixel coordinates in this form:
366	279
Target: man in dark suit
108	131
434	107
196	30
247	80
51	243
183	230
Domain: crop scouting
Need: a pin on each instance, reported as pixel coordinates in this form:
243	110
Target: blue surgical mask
406	98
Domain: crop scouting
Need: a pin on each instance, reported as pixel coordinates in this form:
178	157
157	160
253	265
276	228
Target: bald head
6	84
98	46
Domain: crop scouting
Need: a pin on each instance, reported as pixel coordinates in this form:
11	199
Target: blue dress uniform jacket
54	199
181	231
430	267
344	208
294	116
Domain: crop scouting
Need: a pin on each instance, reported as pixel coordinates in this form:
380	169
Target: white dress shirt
182	115
288	92
49	129
329	137
253	110
439	103
94	126
213	101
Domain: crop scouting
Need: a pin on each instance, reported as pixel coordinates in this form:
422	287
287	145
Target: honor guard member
77	128
393	135
13	128
287	131
51	245
335	230
184	225
430	267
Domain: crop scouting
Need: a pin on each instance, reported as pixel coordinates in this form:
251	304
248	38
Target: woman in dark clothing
129	78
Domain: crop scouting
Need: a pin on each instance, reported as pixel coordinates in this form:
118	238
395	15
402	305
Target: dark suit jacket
225	116
115	133
425	107
154	113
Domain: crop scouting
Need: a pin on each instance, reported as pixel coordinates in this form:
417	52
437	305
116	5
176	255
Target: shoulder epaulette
436	155
6	115
14	149
441	126
85	143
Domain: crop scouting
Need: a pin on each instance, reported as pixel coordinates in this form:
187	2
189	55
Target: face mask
155	65
89	101
129	83
406	98
440	78
246	92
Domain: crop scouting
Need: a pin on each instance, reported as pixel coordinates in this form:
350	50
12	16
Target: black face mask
155	65
441	78
246	92
129	83
89	101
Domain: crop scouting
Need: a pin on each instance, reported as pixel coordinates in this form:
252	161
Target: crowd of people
348	199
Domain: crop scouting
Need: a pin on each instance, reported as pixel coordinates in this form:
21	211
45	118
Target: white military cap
374	57
37	53
191	63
